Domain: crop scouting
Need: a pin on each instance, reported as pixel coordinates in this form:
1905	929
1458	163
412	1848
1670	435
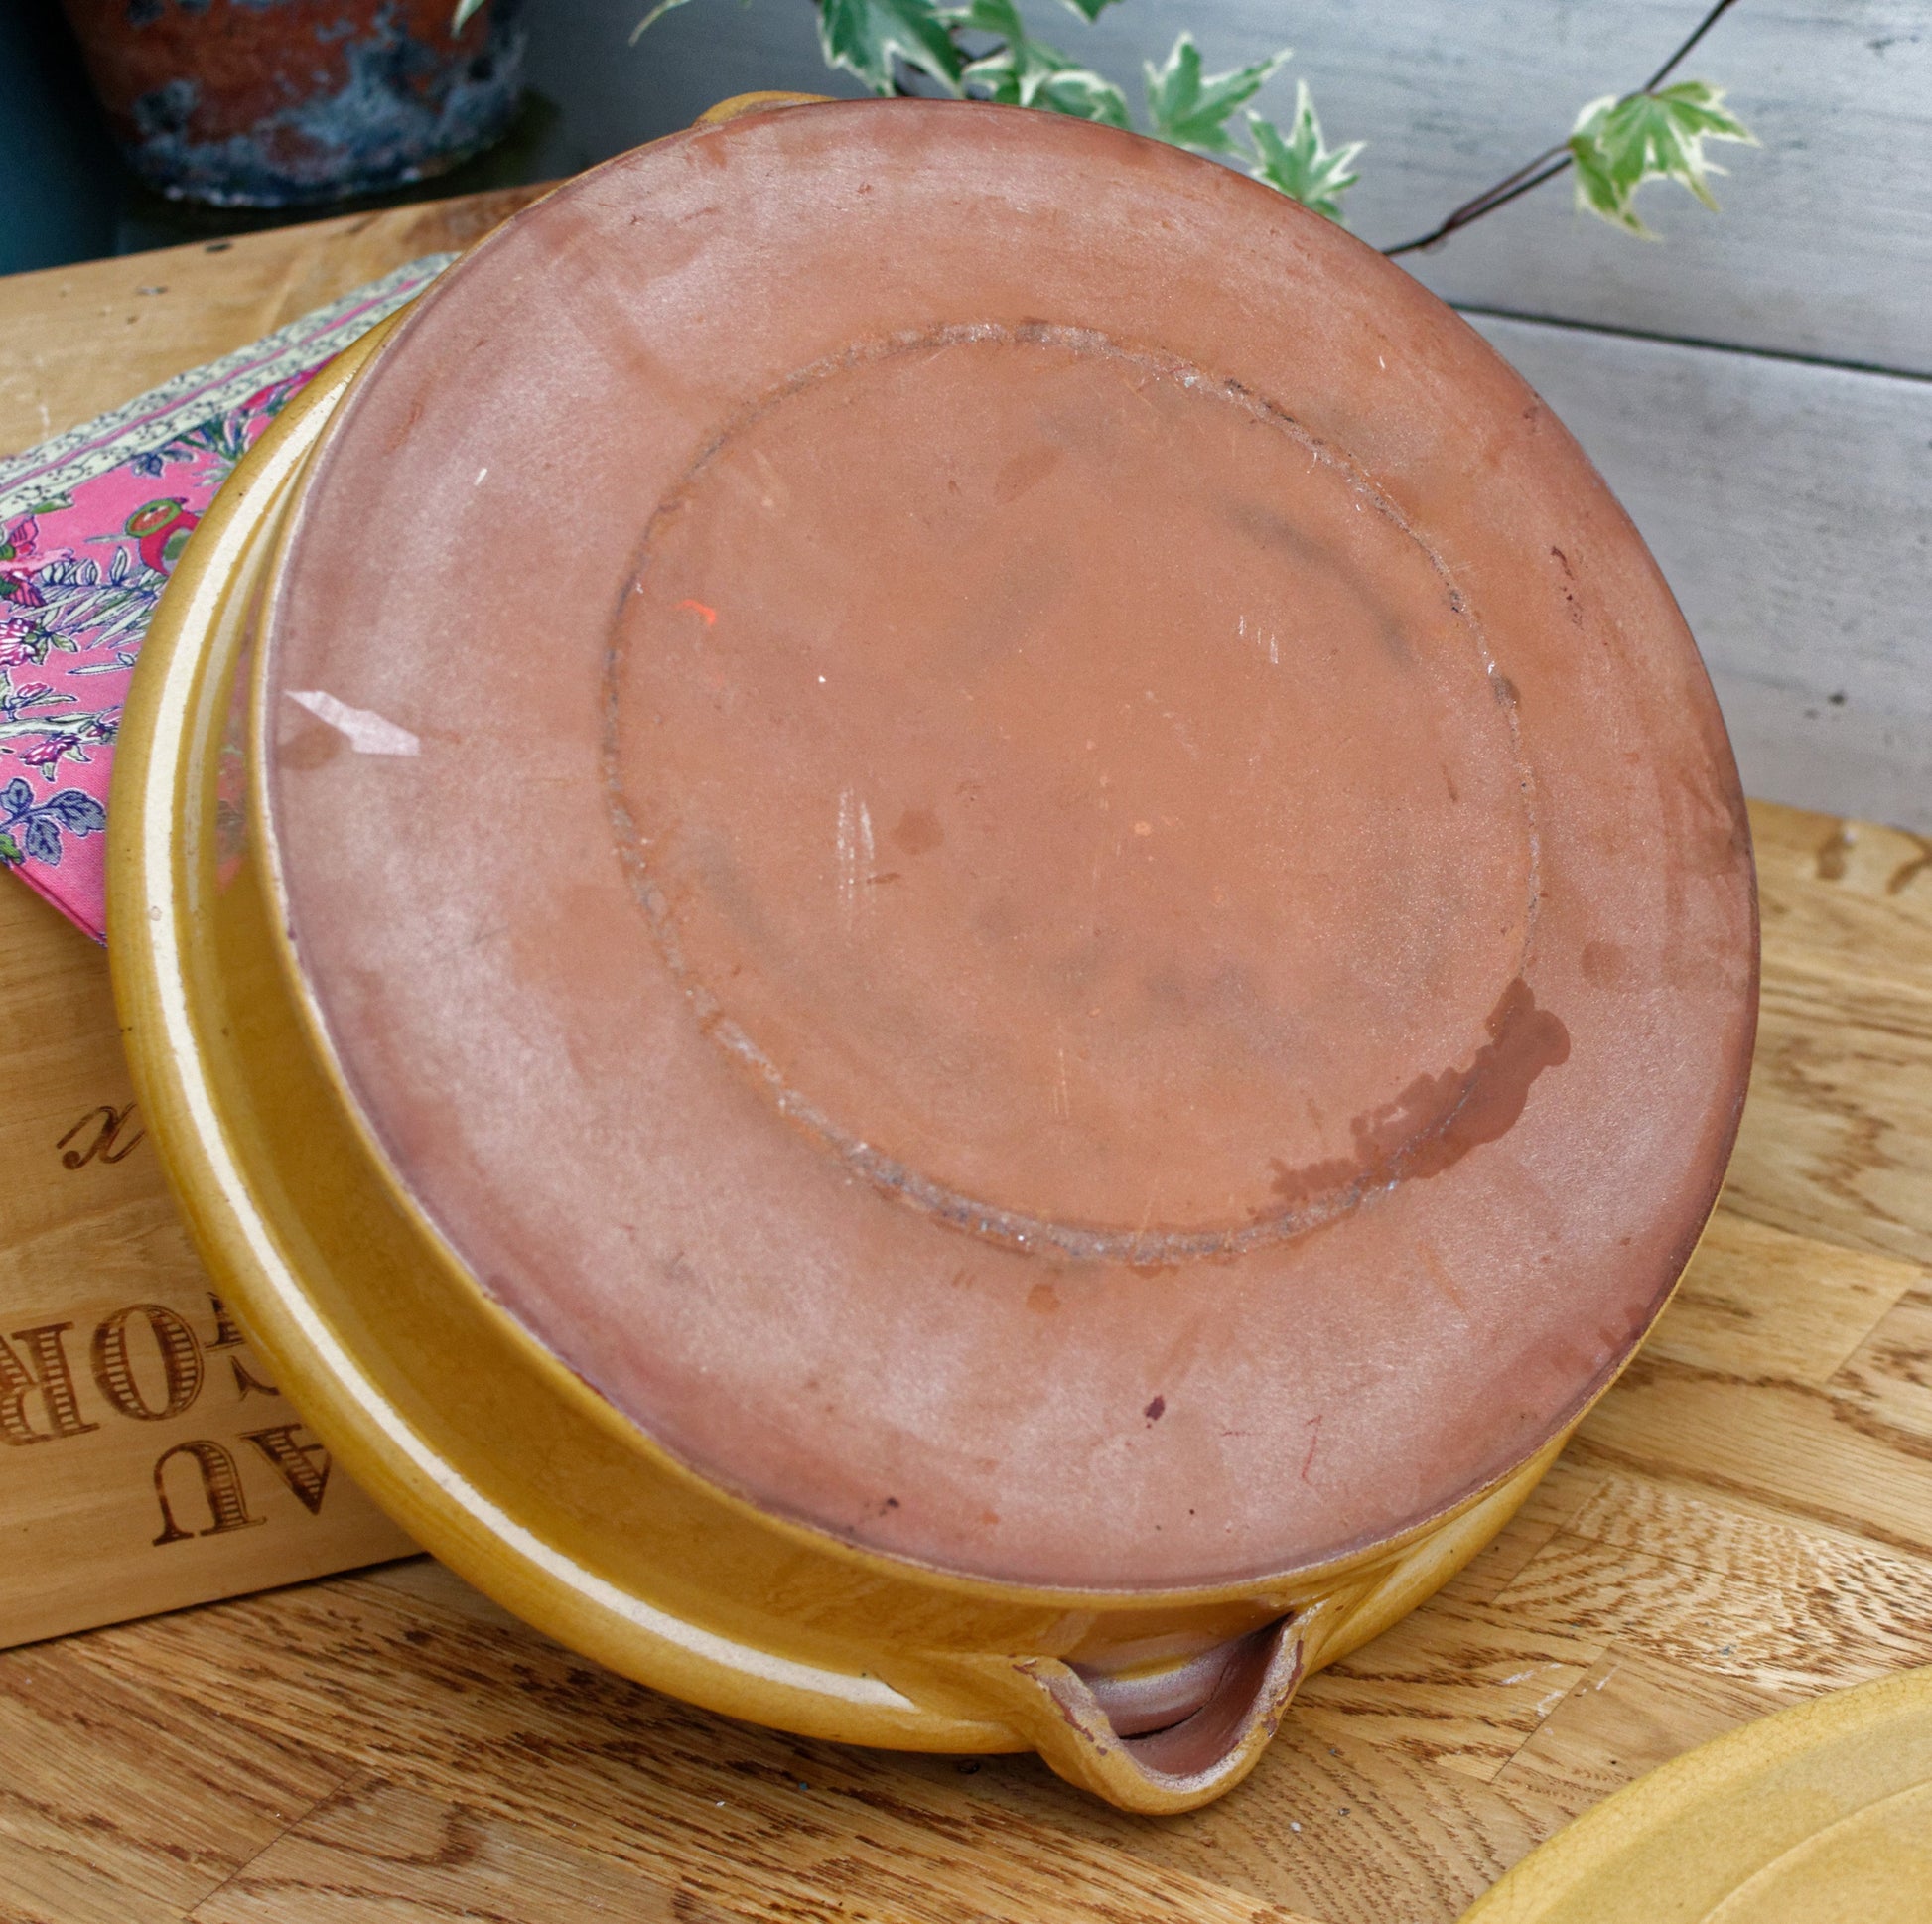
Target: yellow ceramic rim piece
1819	1814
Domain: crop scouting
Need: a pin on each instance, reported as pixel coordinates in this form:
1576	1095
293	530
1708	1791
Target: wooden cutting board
1745	1522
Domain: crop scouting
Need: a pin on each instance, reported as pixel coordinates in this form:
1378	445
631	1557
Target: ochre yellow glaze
477	1439
1820	1815
741	105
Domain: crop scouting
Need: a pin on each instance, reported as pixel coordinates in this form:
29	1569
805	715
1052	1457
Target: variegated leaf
865	36
1618	144
1302	165
1192	108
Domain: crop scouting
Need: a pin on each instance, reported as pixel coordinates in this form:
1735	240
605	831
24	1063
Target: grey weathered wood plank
1824	247
1788	506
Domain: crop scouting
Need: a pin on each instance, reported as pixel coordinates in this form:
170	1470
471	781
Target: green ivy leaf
1303	166
1027	72
864	37
1086	95
11	855
1000	17
1012	73
1192	109
1618	144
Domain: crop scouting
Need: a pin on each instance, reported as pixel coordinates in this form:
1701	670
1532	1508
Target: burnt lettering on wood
228	1332
35	1364
150	1365
222	1491
304	1467
107	1124
44	1373
246	1383
181	1362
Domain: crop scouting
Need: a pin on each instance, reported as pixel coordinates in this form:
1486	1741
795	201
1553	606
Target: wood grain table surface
1744	1522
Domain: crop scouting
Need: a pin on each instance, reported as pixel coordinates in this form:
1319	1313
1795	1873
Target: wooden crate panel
146	1458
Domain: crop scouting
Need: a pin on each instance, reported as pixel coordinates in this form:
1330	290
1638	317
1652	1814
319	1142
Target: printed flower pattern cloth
91	525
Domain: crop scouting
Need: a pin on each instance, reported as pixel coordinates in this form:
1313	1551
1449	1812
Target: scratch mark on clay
1313	1426
1440	1276
478	481
1271	643
775	494
708	615
366	731
856	853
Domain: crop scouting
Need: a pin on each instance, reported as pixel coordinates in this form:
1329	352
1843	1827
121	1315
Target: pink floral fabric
91	525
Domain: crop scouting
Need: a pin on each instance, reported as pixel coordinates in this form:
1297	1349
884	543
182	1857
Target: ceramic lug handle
1151	1740
1112	1736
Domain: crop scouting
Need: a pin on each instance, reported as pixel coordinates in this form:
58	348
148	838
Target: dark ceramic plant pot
278	103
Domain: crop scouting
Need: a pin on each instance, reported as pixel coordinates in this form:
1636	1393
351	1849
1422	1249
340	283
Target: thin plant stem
1704	26
1553	159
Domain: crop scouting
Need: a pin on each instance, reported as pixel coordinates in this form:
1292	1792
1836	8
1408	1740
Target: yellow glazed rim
1819	1814
647	1566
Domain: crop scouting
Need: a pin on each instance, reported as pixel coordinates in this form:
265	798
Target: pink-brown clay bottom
1029	860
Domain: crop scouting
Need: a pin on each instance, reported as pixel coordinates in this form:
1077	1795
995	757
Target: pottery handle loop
1064	1714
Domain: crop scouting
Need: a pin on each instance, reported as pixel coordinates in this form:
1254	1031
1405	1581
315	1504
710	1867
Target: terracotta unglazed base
998	937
